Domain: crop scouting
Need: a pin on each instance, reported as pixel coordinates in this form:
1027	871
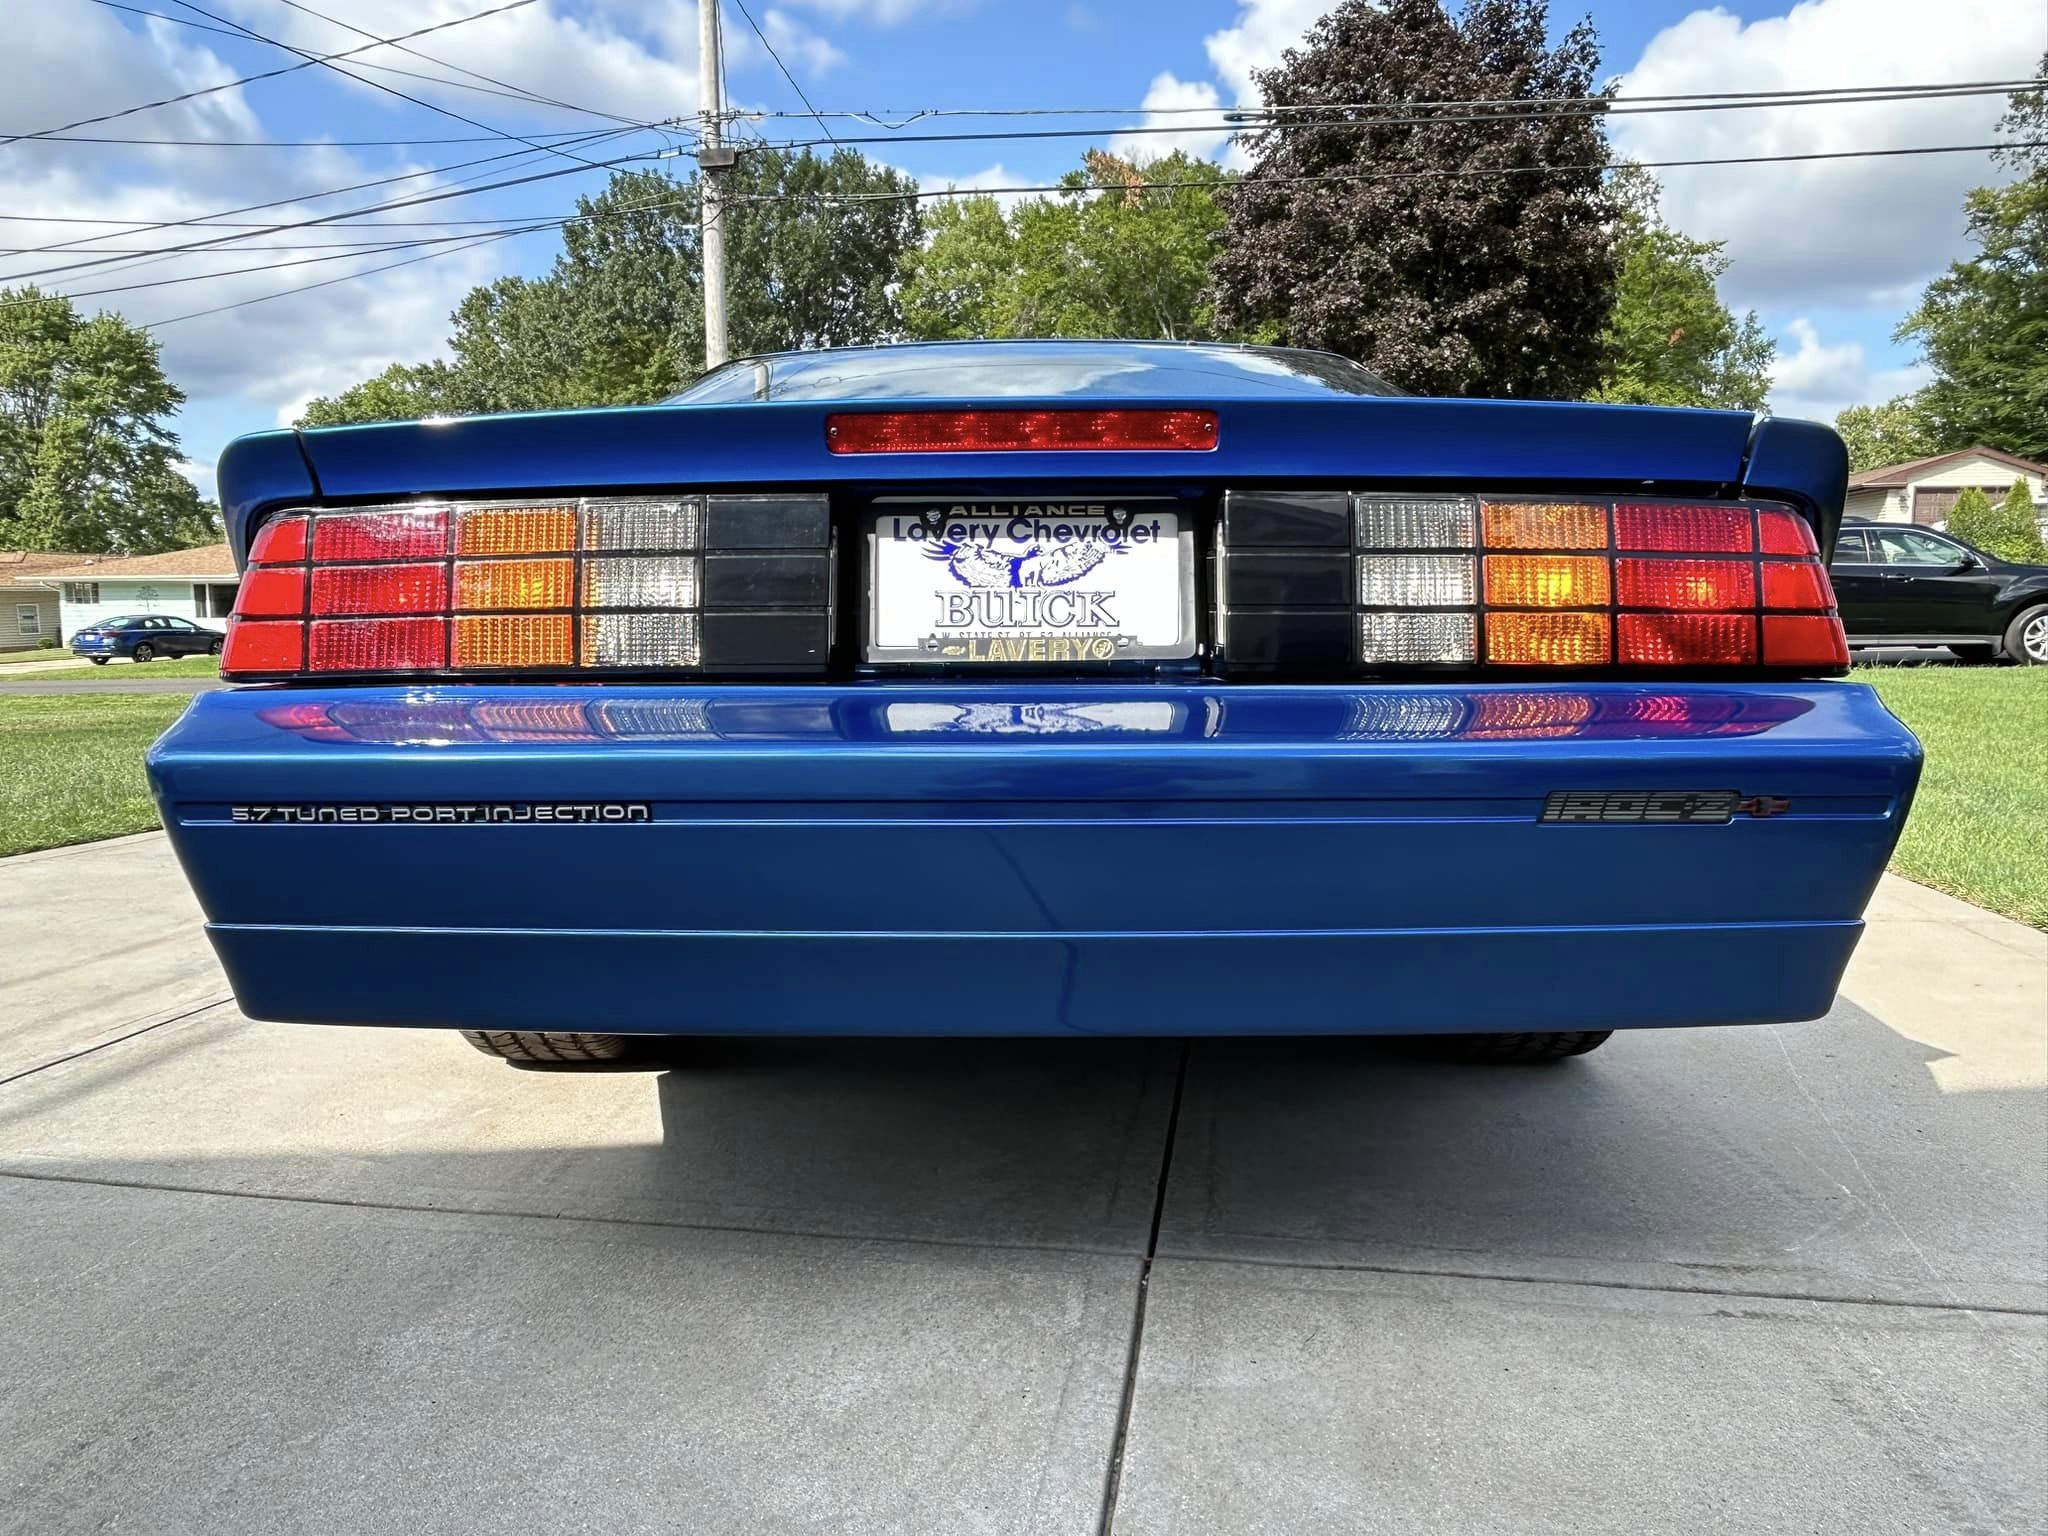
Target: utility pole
713	160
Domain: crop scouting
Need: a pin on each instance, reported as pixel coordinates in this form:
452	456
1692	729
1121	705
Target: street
261	1277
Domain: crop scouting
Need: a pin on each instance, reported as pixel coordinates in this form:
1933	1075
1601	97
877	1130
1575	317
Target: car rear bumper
1030	858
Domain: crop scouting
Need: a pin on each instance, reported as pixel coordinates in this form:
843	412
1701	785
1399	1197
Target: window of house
28	619
213	600
81	591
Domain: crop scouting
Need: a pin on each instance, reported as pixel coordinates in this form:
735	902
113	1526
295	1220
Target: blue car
1038	688
144	637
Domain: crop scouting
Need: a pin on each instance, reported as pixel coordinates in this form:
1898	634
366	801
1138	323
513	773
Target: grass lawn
1979	829
71	765
124	670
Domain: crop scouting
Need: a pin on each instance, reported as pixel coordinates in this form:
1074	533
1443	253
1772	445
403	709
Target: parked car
1062	688
1900	584
144	637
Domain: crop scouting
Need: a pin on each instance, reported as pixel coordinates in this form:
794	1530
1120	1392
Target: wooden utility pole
713	160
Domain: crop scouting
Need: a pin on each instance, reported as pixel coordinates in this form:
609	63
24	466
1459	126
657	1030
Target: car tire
554	1048
98	661
1526	1048
216	648
145	652
2026	638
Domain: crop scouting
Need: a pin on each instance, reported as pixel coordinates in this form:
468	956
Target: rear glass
1027	370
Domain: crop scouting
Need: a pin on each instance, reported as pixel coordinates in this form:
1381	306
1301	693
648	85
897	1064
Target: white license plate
1045	582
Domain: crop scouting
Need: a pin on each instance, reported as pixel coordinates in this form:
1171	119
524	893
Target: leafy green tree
2009	529
1461	254
1983	324
88	460
1896	432
1111	254
813	250
1669	339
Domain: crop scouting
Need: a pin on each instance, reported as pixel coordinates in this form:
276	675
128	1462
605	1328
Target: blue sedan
1070	688
145	637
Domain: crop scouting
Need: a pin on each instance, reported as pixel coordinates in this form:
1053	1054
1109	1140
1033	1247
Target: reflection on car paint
1364	716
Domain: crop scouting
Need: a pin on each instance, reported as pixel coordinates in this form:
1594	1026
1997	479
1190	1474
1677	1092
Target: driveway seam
413	1208
1113	1481
84	1051
1339	1266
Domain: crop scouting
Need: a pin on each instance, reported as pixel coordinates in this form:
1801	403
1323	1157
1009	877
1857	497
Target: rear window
1028	370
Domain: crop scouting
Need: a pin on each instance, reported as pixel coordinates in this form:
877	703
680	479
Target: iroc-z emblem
1657	807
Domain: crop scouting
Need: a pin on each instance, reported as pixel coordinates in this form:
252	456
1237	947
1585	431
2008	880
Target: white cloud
884	12
1166	101
1816	379
1829	233
1265	29
997	175
201	476
800	48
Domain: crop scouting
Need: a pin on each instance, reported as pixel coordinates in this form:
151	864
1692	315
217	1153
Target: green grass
71	766
125	670
1979	829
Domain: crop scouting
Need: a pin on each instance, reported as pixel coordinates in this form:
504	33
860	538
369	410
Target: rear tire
550	1046
216	648
2026	642
98	661
145	652
1526	1048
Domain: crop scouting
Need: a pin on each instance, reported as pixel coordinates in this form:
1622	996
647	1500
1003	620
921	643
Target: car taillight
1566	583
1135	431
703	584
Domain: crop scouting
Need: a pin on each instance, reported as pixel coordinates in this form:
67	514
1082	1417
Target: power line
800	96
204	219
308	62
377	85
346	277
1232	124
906	116
1429	173
472	138
517	90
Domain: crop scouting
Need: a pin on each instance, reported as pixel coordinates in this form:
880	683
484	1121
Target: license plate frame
1146	539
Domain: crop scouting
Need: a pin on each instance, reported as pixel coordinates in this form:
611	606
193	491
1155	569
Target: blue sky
1829	253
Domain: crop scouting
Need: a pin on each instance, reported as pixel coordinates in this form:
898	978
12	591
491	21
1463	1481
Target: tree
2010	530
1983	325
1110	255
813	249
88	460
1458	254
1893	433
1669	339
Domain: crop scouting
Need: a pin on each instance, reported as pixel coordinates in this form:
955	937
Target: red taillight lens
272	593
1784	533
1134	431
255	647
1686	639
1801	584
380	535
1804	640
280	541
379	645
1707	529
343	589
1685	584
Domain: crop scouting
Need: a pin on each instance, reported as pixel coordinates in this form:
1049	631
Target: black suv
1898	584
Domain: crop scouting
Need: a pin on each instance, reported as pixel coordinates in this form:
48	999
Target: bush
47	643
2010	530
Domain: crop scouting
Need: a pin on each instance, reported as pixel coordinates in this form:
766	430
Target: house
28	603
194	584
1924	490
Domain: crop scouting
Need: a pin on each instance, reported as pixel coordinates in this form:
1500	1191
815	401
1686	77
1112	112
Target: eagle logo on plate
976	565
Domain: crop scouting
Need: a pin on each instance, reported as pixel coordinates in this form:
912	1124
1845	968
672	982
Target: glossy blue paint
1173	857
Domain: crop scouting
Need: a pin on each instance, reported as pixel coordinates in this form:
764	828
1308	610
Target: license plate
1045	582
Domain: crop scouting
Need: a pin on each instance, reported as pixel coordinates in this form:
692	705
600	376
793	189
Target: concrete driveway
258	1278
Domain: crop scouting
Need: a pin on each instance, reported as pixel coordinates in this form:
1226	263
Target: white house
190	583
28	603
1924	490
